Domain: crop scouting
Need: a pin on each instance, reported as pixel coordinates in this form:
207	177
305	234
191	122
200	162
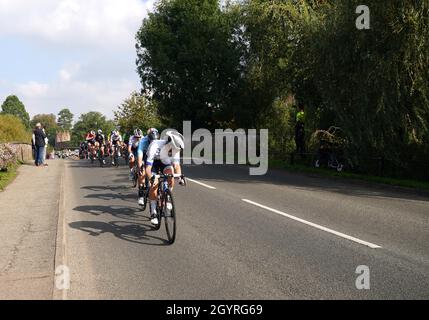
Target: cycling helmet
175	139
100	131
153	134
138	133
92	132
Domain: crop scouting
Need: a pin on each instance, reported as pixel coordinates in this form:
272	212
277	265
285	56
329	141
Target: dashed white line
314	225
201	184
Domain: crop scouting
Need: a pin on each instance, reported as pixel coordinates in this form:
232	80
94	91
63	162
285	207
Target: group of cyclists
152	155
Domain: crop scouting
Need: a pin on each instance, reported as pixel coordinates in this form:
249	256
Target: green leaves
65	119
137	112
12	105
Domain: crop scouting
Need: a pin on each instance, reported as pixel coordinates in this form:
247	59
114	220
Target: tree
90	121
48	121
65	119
373	84
12	105
13	130
137	112
188	62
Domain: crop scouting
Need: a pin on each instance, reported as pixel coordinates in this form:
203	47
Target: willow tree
372	83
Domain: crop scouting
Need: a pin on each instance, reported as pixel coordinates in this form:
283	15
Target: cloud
89	47
33	89
110	24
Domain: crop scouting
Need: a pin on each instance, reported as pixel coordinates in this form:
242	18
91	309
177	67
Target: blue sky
78	54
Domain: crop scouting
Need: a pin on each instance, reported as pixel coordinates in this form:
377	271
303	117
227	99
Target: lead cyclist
152	135
164	156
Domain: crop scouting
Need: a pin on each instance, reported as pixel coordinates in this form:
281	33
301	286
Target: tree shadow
113	196
120	212
131	232
304	181
106	188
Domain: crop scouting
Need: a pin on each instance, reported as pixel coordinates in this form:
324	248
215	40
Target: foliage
90	121
65	120
137	112
232	66
188	62
12	105
13	130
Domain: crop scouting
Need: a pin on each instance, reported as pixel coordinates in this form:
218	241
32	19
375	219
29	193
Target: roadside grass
6	177
414	184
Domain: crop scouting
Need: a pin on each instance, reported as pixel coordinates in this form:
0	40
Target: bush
13	130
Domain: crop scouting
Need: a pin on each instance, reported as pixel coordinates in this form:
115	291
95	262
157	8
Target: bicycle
115	155
165	205
100	157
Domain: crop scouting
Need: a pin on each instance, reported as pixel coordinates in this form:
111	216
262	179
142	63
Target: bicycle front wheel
169	216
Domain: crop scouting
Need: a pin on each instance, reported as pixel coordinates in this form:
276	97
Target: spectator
45	148
300	130
39	143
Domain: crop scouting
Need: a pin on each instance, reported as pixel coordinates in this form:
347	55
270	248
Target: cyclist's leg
169	170
97	146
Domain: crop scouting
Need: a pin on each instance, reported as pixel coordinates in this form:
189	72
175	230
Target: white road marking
342	235
201	184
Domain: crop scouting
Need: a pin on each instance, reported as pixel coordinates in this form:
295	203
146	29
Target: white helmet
175	139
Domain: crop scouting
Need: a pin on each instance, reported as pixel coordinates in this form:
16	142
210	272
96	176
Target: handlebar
167	176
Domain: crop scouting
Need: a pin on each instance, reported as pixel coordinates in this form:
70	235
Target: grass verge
6	177
414	184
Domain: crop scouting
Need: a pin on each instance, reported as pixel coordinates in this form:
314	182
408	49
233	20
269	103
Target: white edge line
342	235
201	184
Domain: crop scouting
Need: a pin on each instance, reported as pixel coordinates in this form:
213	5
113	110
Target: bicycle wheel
169	216
136	177
146	193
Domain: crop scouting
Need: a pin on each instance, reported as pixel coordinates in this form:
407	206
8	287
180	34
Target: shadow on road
106	188
114	196
240	174
132	232
120	212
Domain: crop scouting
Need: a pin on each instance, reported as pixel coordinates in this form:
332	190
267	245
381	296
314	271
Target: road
280	236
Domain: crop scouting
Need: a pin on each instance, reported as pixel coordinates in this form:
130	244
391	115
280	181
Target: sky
78	54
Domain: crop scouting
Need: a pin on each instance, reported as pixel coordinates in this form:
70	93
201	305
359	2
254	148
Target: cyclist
164	156
133	145
90	140
100	142
152	135
115	143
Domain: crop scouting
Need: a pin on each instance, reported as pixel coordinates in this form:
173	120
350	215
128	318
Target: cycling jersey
114	139
143	146
90	138
160	150
134	142
100	138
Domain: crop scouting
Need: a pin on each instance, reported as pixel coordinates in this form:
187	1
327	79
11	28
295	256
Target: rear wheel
169	216
136	177
146	193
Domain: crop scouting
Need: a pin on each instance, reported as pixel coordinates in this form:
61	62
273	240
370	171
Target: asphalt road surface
280	236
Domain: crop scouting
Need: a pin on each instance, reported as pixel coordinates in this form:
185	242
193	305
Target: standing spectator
39	142
45	149
300	130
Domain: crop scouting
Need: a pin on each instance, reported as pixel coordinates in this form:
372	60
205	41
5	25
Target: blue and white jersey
161	150
134	142
143	146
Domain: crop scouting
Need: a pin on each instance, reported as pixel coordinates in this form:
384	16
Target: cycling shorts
159	166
